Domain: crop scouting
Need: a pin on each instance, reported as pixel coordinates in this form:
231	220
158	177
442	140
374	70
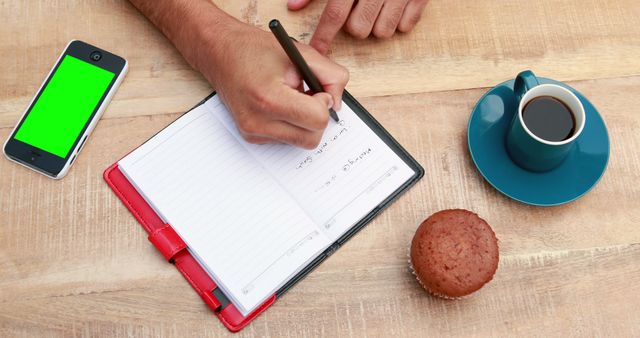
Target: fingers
333	84
302	110
257	139
293	135
411	16
270	131
332	76
389	18
281	132
378	17
295	5
333	17
363	17
285	115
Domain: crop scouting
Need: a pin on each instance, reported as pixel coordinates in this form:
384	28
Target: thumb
295	5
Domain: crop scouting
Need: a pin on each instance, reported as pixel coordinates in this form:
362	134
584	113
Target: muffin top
454	253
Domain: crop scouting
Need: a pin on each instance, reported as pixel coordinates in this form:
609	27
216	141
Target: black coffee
549	118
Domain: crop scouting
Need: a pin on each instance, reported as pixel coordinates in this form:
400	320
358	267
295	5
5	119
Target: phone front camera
96	56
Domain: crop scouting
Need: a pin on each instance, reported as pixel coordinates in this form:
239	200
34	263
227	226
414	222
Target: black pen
295	56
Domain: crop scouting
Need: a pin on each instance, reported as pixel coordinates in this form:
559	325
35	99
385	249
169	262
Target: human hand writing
262	88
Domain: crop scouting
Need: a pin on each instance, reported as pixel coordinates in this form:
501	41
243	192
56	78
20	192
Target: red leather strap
167	241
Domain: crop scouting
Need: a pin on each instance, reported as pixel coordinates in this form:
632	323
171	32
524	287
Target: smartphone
65	110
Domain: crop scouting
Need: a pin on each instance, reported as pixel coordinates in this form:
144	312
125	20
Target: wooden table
73	261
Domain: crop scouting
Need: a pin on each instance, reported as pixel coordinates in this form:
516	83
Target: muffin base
431	292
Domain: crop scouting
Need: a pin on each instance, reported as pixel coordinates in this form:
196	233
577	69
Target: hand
251	72
262	88
378	17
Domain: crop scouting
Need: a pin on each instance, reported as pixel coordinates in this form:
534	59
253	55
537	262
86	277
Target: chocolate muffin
454	253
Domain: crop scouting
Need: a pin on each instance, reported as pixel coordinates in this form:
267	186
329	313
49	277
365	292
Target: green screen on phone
64	107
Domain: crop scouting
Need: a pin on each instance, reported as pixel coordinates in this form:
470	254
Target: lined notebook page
349	174
246	231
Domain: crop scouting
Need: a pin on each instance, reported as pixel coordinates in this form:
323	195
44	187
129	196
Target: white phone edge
87	132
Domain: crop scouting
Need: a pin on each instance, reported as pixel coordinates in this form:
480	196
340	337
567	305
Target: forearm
189	24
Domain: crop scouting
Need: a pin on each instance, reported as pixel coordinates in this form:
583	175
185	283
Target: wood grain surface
74	262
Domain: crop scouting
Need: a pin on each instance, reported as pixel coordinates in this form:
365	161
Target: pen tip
334	115
274	23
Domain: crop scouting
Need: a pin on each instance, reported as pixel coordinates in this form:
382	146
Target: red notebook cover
174	249
171	246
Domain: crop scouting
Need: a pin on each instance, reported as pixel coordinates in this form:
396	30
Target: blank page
349	174
246	231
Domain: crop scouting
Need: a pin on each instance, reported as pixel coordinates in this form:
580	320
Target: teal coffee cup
542	110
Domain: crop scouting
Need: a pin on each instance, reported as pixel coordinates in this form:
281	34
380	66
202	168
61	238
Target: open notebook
254	216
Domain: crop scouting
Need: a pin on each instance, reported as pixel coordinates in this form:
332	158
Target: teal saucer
579	172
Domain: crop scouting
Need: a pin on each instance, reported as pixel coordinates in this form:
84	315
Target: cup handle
524	81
